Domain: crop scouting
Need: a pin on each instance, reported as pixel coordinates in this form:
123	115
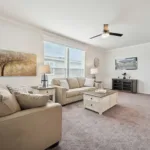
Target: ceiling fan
106	33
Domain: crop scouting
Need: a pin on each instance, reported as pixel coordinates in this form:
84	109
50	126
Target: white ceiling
81	19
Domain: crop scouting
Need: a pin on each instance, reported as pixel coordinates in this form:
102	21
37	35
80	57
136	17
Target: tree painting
17	63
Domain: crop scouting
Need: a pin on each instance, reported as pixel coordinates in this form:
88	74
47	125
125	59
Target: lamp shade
45	69
94	70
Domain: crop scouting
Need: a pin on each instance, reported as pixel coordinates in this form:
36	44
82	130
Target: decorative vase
124	75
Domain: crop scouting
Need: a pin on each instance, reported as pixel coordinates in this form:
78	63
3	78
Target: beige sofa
75	91
31	129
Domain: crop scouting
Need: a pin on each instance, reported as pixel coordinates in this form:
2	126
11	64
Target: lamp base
94	77
44	80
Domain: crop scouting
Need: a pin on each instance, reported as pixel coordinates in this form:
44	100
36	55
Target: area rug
126	126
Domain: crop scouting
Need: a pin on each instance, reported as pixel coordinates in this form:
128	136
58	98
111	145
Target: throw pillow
73	83
81	81
21	89
3	87
64	84
28	101
8	103
89	82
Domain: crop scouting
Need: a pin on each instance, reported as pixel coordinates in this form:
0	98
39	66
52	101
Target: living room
54	32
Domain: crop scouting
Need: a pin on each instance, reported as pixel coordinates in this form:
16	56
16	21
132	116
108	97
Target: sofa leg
53	146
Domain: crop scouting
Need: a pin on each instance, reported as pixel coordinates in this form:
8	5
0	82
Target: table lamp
44	69
94	71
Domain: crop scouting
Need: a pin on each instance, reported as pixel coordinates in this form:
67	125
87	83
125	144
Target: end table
48	90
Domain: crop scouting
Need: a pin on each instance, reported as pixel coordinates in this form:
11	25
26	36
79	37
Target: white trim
84	64
67	62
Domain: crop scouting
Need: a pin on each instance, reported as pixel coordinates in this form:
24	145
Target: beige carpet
123	127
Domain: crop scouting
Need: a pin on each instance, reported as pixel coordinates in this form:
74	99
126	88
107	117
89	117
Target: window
64	61
55	56
76	63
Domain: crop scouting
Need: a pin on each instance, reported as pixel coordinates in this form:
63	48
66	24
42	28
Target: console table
129	85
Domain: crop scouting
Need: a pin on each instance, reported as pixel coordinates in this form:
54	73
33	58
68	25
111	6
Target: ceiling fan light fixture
105	35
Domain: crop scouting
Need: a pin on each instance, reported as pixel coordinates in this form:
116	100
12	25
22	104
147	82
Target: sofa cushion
28	101
56	81
73	83
81	81
78	91
64	83
86	89
8	103
72	92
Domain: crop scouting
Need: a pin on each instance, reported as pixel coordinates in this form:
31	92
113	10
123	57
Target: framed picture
130	63
14	63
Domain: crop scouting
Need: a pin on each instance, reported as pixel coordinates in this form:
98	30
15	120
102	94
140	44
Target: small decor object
100	91
94	71
124	75
45	69
96	62
17	63
126	63
99	84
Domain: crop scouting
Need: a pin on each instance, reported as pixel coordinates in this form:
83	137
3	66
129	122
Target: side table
48	90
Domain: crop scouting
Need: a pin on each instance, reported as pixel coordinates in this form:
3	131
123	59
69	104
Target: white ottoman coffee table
100	102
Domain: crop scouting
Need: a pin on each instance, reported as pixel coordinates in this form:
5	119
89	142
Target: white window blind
64	61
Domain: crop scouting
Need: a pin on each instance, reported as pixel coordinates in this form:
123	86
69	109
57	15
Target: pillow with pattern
22	89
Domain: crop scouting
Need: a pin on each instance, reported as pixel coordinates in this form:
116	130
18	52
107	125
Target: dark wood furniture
129	85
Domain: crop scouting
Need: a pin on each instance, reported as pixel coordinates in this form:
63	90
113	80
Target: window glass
55	56
76	62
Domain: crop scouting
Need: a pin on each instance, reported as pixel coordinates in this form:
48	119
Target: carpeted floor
123	127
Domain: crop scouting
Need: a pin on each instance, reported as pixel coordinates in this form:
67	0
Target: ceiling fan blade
115	34
95	36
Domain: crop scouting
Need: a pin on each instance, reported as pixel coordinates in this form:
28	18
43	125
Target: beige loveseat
75	91
31	129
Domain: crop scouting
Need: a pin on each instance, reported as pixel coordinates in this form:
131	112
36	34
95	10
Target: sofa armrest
60	94
36	128
30	112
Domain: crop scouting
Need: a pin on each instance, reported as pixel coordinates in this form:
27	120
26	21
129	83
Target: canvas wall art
14	63
126	63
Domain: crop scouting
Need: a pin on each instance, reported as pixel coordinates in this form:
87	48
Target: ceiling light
105	35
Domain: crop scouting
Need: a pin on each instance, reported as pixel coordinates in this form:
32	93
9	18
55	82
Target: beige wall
142	74
23	38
